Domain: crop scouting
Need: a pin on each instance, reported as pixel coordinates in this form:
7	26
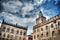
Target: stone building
12	32
47	29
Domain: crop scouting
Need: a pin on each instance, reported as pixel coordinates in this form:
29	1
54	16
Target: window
41	35
3	29
37	36
17	32
8	30
21	33
37	30
53	33
41	29
12	31
20	38
51	25
59	32
24	33
24	38
11	36
34	37
8	36
58	23
4	35
47	34
46	27
54	21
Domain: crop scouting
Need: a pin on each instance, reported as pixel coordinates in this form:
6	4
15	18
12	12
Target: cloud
28	7
12	6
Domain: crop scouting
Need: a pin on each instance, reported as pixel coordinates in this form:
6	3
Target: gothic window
24	38
58	23
52	26
47	34
41	29
53	33
24	33
4	35
17	32
46	27
8	36
41	35
3	29
37	36
20	38
54	21
59	32
34	37
21	33
12	31
37	30
8	30
11	36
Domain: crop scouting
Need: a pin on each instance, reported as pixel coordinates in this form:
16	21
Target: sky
25	12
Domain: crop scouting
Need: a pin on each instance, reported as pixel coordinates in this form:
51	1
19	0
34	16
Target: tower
41	18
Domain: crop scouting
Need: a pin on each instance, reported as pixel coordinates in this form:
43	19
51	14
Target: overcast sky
24	12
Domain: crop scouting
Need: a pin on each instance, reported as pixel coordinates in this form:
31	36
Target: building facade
47	29
13	32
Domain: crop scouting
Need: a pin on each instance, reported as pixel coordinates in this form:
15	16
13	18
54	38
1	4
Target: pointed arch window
12	30
4	29
53	33
8	29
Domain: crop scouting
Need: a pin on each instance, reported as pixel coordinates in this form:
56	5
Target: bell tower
41	18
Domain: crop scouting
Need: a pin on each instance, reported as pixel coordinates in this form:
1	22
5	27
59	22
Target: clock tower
41	18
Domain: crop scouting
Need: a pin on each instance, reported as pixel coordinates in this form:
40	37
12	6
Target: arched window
20	38
59	32
4	35
41	35
8	36
24	33
53	33
47	34
46	27
24	38
11	36
52	26
41	29
3	29
17	32
12	30
8	30
37	36
21	33
58	23
34	37
37	30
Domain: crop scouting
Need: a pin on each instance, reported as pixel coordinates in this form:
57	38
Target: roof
17	26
